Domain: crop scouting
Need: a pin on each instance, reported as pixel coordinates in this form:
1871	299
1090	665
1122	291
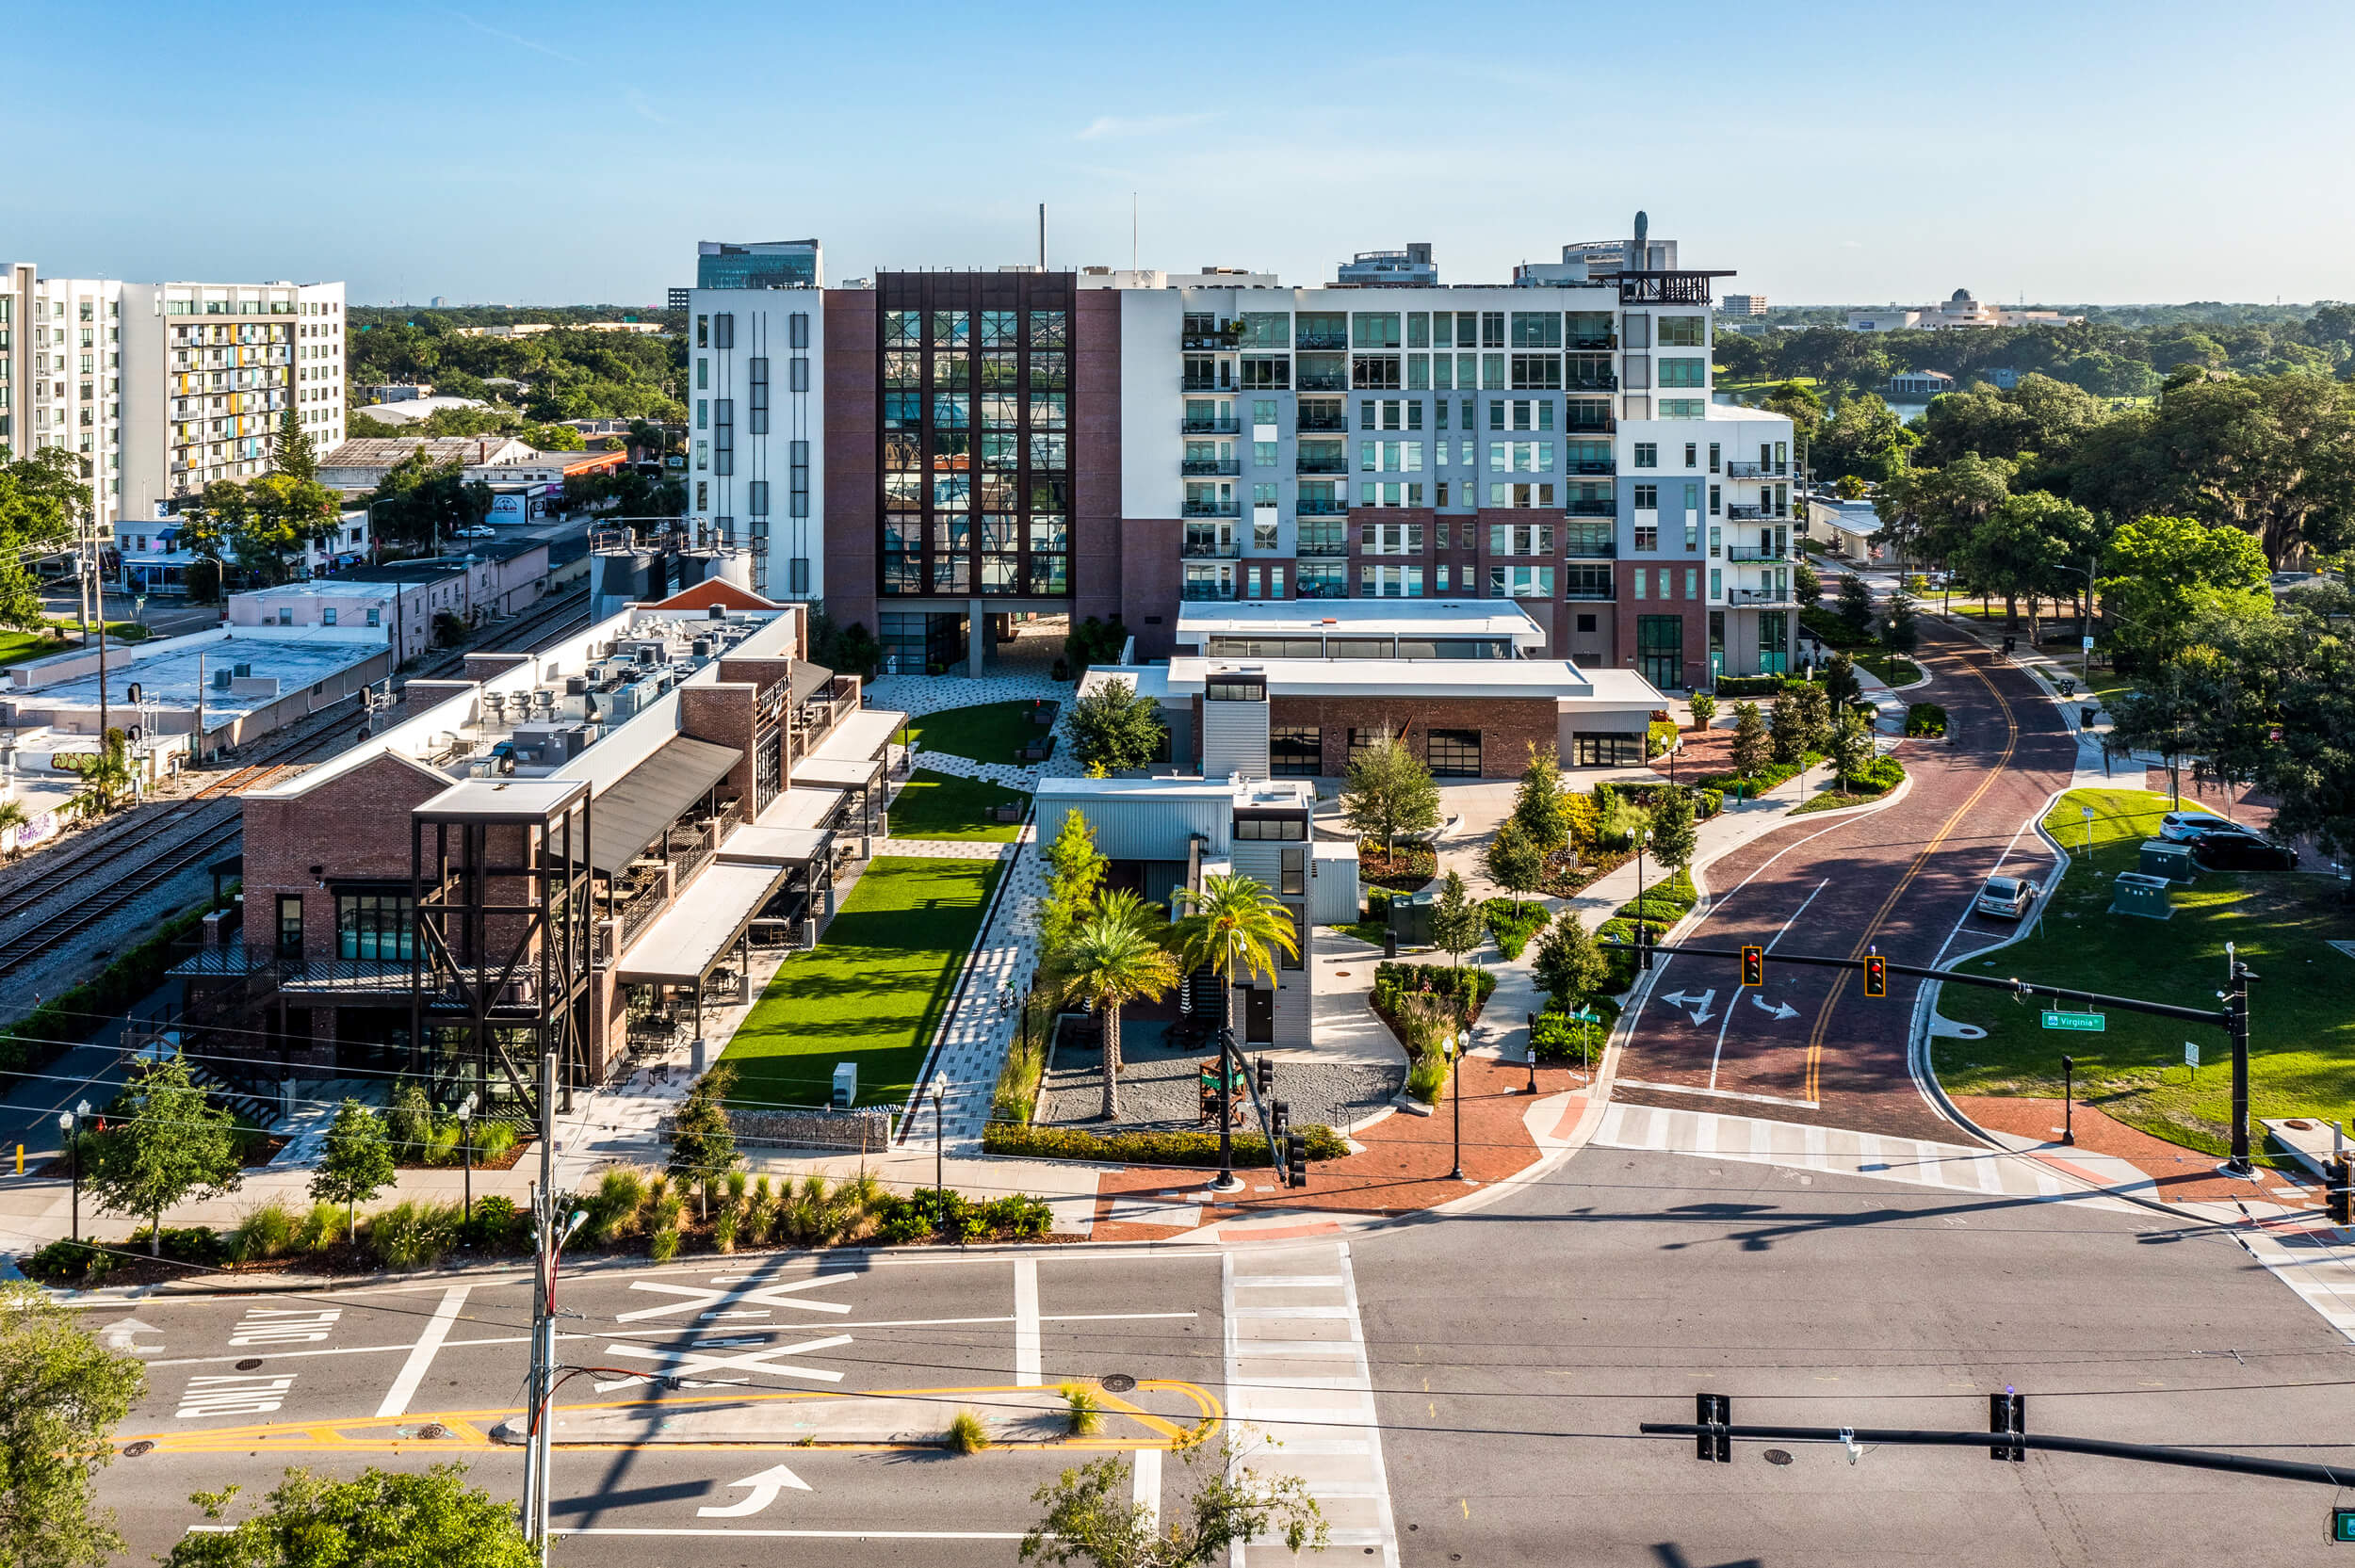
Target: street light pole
1643	926
2068	1099
68	1123
465	1143
940	1155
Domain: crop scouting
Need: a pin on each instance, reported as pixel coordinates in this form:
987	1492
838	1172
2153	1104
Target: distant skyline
532	153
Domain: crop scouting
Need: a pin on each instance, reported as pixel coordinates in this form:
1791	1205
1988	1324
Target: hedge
1469	988
1926	718
1738	687
1147	1148
1512	924
1706	802
1754	785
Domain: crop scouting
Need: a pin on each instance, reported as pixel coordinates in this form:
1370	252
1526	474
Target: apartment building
163	388
987	444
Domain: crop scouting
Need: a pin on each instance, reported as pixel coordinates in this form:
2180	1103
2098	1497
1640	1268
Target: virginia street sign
2085	1023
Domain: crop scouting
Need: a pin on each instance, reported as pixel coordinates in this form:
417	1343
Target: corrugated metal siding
1333	893
1234	739
1138	829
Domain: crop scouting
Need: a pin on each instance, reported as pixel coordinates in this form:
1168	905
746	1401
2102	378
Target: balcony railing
1591	549
1321	506
1210	549
1209	383
1756	551
1742	470
1311	421
1212	508
1200	425
1604	383
1582	508
1590	595
1216	342
1591	426
1307	379
1743	512
1210	591
1327	341
1321	465
1606	341
1323	545
1758	596
1604	465
1228	466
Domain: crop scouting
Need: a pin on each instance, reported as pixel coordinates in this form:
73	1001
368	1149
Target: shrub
1466	987
1706	802
441	1144
64	1261
739	1182
662	1246
1512	924
498	1224
198	1244
1185	1147
1083	1407
409	1123
1926	718
1421	1020
1018	1215
613	1208
966	1434
492	1140
268	1230
723	1230
1659	738
412	1235
1704	710
898	1222
1427	1080
322	1227
668	1210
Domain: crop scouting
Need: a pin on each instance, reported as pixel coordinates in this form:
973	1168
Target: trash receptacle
2086	718
1411	918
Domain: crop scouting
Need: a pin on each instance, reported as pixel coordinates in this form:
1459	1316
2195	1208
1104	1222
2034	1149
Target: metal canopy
693	934
633	813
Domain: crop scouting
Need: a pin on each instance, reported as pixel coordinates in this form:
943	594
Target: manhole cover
434	1430
1119	1383
1777	1456
248	1363
132	1451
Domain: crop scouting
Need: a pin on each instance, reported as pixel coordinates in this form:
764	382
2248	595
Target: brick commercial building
563	851
933	453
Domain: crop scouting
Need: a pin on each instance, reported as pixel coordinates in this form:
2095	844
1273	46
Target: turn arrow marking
1698	1004
1780	1010
116	1336
765	1489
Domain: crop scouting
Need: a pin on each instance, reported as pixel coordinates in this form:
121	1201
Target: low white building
1956	310
415	411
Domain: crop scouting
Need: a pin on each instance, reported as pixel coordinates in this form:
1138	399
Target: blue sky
516	152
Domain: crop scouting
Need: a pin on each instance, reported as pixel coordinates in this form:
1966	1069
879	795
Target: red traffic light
1875	976
1753	965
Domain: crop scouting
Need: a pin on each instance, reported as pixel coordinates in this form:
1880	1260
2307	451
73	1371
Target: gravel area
1160	1089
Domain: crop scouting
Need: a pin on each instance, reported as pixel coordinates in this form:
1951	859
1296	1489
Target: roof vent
719	612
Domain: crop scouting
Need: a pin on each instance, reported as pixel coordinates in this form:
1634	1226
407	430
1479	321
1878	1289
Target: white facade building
755	446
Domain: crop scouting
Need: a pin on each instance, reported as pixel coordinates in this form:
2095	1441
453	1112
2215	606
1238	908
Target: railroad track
207	824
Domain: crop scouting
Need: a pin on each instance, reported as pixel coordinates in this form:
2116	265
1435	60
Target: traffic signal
1753	965
1264	1072
1875	975
2337	1200
1296	1158
2007	1418
1279	1118
1713	1410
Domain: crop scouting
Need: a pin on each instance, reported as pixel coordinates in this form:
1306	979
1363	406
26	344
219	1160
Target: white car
2009	896
478	530
2181	826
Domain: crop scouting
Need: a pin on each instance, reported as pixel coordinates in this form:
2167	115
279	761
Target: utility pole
98	597
2236	1027
545	1212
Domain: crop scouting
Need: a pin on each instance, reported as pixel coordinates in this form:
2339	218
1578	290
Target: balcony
1212	508
1605	426
1320	340
1210	549
1756	551
1608	340
1321	465
1211	424
1742	511
1590	509
1743	470
1317	419
1214	342
1221	383
1210	591
1591	549
1758	596
1324	543
1604	383
1228	466
1321	506
1602	466
1590	595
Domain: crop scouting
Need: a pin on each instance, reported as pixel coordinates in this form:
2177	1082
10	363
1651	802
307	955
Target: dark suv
2238	848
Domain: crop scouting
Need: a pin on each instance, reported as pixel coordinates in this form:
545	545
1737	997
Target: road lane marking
795	1535
769	1295
764	1487
429	1345
1720	1051
1026	1337
695	1365
1145	1486
232	1395
284	1326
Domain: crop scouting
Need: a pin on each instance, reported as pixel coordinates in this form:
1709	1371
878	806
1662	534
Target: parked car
2181	826
474	530
2009	896
2240	850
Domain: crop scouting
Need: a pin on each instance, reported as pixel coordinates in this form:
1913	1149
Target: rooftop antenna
1132	230
1042	236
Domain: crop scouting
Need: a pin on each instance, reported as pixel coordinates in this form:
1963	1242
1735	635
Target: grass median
872	991
945	805
2301	1031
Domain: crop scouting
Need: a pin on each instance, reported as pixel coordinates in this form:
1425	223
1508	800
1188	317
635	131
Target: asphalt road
1809	1045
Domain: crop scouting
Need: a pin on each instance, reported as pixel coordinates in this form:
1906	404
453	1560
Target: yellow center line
1840	981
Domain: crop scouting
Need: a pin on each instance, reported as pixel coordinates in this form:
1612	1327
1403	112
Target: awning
836	772
634	811
862	735
807	677
680	947
801	808
753	845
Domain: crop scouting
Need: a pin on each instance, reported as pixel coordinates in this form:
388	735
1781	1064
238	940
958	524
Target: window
797	330
1294	751
327	616
703	373
1266	330
1646	537
1263	454
1692	455
290	925
1647	454
1521	538
1453	754
723	331
1683	408
1606	749
1684	370
376	617
1716	583
1538	372
1389	582
758	505
1520	582
756	409
1376	372
1491	330
372	925
1536	330
1266	372
1270	826
1373	330
1294	873
1715	496
1647	497
1682	332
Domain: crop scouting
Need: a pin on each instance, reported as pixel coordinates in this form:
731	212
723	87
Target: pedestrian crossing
1713	1135
1300	1395
2318	1264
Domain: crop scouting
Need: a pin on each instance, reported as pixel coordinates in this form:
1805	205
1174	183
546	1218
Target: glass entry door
1660	650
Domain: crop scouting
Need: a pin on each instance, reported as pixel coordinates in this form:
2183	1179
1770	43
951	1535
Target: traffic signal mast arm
2221	1019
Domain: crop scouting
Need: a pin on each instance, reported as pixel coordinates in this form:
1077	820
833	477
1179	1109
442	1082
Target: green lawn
873	990
2303	1032
945	805
1895	668
989	732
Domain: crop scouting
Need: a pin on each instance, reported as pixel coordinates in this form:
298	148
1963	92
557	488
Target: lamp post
68	1123
465	1145
940	1153
1643	926
1448	1045
1532	1053
2068	1099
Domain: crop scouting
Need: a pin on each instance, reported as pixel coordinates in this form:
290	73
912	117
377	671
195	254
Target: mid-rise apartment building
952	448
163	388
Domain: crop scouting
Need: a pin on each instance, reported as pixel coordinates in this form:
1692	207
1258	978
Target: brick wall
723	713
1102	548
1151	580
1508	726
1693	610
852	500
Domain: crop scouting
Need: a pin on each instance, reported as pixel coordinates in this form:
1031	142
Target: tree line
566	374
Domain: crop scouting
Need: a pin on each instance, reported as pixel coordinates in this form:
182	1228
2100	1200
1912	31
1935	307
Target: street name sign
2085	1023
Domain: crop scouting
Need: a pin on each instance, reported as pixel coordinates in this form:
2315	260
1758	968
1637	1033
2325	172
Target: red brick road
1810	1046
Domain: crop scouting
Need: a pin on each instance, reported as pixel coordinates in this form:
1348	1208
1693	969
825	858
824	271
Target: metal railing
1198	425
1320	342
1742	470
1322	544
1202	383
1758	596
1226	466
1333	423
1210	549
1211	509
1321	465
1321	506
1210	591
1581	506
1744	511
1604	381
1213	342
1603	549
1756	551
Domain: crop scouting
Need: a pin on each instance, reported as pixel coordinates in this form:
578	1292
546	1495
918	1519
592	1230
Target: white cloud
1109	126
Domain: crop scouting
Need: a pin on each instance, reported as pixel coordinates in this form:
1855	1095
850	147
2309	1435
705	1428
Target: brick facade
1690	608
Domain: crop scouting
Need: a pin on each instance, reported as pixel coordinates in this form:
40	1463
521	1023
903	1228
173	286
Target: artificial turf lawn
2301	1030
871	992
945	805
988	731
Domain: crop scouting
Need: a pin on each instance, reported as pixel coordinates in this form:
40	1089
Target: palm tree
1113	960
1235	926
12	817
104	777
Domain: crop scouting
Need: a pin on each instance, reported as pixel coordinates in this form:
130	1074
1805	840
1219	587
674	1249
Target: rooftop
415	410
262	664
1248	792
385	451
1384	617
1184	677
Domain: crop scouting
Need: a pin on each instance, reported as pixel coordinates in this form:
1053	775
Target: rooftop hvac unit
717	612
221	679
245	672
575	685
702	647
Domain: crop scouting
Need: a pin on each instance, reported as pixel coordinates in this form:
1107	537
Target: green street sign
2084	1023
2343	1524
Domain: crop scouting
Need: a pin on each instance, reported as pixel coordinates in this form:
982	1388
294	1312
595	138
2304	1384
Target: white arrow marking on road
765	1489
116	1336
1780	1010
772	1295
693	1364
1698	1004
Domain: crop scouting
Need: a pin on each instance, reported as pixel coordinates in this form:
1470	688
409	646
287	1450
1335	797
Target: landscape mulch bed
1408	871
